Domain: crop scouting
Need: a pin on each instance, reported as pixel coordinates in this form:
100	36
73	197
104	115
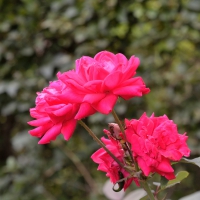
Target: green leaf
173	163
195	161
179	177
163	181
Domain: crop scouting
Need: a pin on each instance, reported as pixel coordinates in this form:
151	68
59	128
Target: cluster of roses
94	86
154	142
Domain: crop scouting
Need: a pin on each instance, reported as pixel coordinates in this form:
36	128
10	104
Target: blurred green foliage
38	38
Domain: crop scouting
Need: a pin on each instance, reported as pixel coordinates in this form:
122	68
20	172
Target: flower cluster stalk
123	132
101	144
146	187
118	122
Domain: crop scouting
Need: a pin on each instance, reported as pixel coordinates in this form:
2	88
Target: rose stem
101	144
146	187
123	132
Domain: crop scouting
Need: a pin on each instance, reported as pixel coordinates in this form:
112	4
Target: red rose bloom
97	82
109	165
53	116
155	142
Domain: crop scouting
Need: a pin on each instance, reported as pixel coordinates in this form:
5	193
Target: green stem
123	132
118	122
146	187
101	144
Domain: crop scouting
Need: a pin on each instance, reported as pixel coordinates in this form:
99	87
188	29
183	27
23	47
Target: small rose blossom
155	142
53	116
97	82
109	165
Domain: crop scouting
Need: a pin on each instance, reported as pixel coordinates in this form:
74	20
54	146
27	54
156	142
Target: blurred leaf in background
40	38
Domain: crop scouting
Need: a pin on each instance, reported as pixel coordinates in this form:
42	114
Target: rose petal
93	98
143	165
106	105
64	110
131	91
165	166
68	128
112	80
51	134
40	131
70	96
39	122
85	110
174	154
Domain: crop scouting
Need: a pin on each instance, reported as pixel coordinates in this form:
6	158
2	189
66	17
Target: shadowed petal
40	130
106	105
85	110
145	168
39	122
165	166
68	128
51	134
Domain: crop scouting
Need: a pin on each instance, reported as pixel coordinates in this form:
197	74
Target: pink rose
155	142
97	82
53	116
109	165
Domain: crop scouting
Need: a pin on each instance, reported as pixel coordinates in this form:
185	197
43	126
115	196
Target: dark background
38	38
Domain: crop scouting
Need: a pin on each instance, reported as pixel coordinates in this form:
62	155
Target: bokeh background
38	38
